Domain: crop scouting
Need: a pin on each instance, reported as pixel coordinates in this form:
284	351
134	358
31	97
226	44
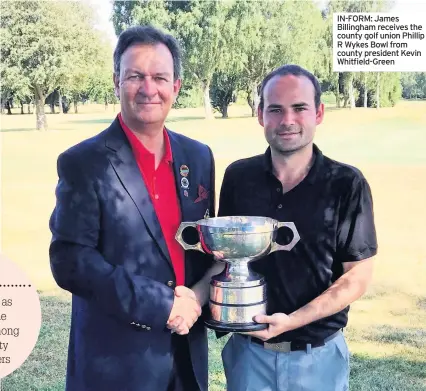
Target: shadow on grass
386	374
17	130
183	119
421	303
92	121
44	370
386	334
110	120
375	291
244	116
367	373
170	119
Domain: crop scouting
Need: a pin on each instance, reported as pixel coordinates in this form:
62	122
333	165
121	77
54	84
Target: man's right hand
185	311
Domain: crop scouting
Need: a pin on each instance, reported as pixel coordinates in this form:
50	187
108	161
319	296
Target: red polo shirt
161	186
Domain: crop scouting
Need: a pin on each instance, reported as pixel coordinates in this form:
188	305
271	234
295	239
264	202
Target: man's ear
116	81
260	115
320	114
176	87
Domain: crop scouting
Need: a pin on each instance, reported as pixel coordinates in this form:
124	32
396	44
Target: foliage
223	91
352	87
413	85
189	96
47	46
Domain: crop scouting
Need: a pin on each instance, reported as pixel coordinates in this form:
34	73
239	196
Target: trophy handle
286	247
179	238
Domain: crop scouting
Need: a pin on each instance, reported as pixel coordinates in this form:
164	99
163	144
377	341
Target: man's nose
148	87
288	118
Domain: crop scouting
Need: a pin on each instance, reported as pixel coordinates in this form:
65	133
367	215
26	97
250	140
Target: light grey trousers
250	367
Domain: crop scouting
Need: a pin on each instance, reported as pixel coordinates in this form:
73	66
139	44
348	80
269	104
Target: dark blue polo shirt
332	209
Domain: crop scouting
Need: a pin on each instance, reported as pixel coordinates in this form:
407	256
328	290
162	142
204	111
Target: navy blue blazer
108	250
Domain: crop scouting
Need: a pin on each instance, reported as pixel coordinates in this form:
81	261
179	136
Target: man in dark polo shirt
310	287
121	197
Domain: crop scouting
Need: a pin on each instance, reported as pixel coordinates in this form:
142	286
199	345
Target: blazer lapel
181	159
123	161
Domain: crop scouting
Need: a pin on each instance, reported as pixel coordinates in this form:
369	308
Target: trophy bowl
238	293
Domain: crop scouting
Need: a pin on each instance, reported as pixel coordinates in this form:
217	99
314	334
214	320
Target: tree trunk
52	107
9	111
224	110
41	122
336	95
352	94
253	98
61	109
378	91
207	103
22	108
251	104
365	89
75	107
29	108
106	103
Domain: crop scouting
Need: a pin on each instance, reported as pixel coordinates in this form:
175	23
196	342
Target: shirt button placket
154	187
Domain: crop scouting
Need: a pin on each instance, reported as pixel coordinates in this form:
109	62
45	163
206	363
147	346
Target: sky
104	11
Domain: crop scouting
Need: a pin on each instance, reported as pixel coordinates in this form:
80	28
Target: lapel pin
184	170
184	183
185	193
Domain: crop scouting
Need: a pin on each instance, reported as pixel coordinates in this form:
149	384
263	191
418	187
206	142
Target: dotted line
15	286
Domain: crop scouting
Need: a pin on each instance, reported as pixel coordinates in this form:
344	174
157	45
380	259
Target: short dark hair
294	70
147	35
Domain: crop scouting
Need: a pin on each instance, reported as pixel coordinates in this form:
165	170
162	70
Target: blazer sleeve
80	268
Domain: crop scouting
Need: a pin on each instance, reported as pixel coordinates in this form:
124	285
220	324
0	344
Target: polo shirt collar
139	149
314	172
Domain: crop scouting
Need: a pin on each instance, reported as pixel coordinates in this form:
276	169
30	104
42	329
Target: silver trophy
238	293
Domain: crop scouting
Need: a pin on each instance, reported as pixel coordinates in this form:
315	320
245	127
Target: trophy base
234	327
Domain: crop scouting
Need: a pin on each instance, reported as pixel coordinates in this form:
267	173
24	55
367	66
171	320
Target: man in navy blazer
121	197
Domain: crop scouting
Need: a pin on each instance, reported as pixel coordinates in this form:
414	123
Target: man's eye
299	109
160	78
274	110
135	77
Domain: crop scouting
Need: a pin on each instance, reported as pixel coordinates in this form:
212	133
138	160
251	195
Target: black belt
291	346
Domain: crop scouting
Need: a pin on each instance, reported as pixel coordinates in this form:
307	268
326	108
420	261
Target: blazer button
148	328
170	283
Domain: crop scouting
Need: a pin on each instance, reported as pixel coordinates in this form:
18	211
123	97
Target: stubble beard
282	148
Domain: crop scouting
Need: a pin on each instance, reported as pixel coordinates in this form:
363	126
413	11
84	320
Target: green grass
387	327
45	368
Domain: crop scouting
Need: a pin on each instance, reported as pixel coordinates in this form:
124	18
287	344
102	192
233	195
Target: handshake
185	311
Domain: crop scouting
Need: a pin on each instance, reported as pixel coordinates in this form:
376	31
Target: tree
414	85
270	34
131	13
48	44
198	25
253	43
348	80
100	83
223	91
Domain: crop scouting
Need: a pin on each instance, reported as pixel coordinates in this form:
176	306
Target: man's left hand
278	324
